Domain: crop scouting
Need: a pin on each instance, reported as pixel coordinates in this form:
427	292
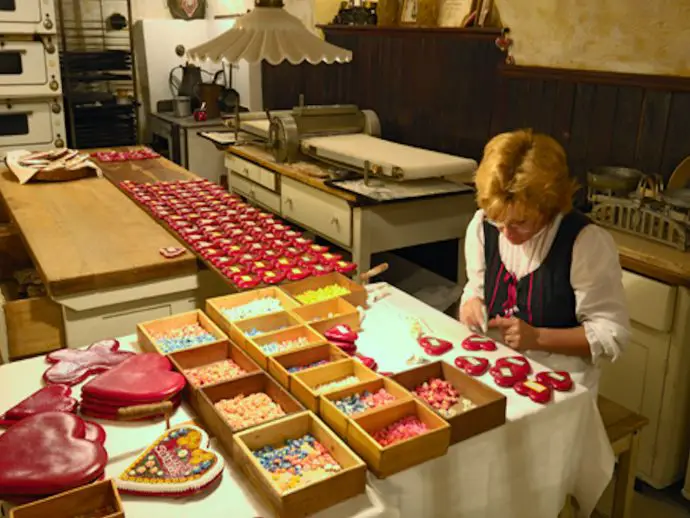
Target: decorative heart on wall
176	464
53	398
72	366
144	378
47	454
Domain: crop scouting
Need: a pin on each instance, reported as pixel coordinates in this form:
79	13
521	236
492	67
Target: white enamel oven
29	67
32	124
27	17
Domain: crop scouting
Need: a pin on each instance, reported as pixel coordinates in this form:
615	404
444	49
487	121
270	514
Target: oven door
30	124
27	17
29	68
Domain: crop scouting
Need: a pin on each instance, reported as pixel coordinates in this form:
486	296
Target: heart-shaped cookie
434	346
519	364
144	378
557	380
474	366
175	464
170	252
537	392
53	398
478	343
46	454
505	376
94	432
72	366
342	333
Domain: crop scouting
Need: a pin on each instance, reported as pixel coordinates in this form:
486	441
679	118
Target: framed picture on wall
422	13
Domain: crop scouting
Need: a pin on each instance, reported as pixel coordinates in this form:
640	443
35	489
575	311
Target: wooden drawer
650	303
34	326
251	171
255	193
323	213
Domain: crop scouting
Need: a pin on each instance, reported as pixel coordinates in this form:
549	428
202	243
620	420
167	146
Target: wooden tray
254	344
340	422
80	501
206	355
303	383
146	330
278	364
266	324
356	297
489	413
311	498
250	384
314	314
351	319
215	306
388	460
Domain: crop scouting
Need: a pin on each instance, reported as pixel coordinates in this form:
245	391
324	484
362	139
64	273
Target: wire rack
98	72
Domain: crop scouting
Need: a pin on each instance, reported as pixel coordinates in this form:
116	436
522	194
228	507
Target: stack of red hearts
48	453
344	337
143	379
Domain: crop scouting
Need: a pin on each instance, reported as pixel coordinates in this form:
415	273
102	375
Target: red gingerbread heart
537	392
478	343
53	398
505	376
144	378
72	366
518	364
94	432
342	333
435	346
47	454
557	380
472	365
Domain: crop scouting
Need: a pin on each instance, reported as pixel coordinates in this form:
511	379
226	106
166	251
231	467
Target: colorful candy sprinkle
255	308
324	293
400	430
182	338
285	345
223	370
442	396
300	461
256	332
357	403
336	384
298	368
241	412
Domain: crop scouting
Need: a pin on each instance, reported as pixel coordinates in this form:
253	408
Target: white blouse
595	276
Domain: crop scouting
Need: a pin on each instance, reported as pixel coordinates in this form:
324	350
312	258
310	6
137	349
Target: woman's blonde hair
526	172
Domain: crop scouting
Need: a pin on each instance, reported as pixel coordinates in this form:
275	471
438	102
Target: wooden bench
622	427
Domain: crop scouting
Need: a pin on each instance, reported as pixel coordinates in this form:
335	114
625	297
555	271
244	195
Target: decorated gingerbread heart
557	380
472	365
170	252
519	364
53	398
505	376
46	454
348	348
144	378
342	333
434	346
176	464
478	343
71	366
537	392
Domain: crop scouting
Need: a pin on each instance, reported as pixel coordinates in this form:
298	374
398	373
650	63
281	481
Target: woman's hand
517	334
472	313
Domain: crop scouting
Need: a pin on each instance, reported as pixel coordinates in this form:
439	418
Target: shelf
469	32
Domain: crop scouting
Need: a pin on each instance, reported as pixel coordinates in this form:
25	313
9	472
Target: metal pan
619	179
678	198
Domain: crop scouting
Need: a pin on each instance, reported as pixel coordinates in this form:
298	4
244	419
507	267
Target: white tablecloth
523	469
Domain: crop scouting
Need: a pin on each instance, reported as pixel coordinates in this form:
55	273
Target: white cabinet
651	377
203	157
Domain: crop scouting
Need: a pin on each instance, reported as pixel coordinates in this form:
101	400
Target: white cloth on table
595	275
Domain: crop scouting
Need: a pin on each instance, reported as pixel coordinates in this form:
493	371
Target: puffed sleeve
596	278
474	258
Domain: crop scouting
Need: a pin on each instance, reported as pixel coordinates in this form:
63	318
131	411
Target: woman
543	275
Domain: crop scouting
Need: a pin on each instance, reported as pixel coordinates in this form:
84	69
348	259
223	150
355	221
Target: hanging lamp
269	33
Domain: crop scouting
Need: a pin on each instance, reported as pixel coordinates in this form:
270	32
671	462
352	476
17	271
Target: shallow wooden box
206	355
311	498
340	422
215	306
254	344
356	297
267	324
385	461
250	384
350	319
303	383
278	364
314	314
489	413
146	330
80	501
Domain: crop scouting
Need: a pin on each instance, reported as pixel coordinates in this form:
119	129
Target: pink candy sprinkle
242	412
438	393
213	373
400	430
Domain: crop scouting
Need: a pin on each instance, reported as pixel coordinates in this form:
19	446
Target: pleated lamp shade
270	34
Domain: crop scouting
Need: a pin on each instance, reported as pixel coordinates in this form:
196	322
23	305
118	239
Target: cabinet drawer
251	171
650	302
34	326
323	213
255	193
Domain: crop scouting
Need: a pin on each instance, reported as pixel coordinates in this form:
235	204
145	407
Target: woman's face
518	229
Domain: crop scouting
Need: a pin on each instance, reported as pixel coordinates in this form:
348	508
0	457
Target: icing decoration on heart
557	380
170	252
144	378
472	365
478	343
342	333
175	464
53	398
434	346
72	366
47	454
537	392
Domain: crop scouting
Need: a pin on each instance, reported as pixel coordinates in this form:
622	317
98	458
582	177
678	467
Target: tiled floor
650	503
